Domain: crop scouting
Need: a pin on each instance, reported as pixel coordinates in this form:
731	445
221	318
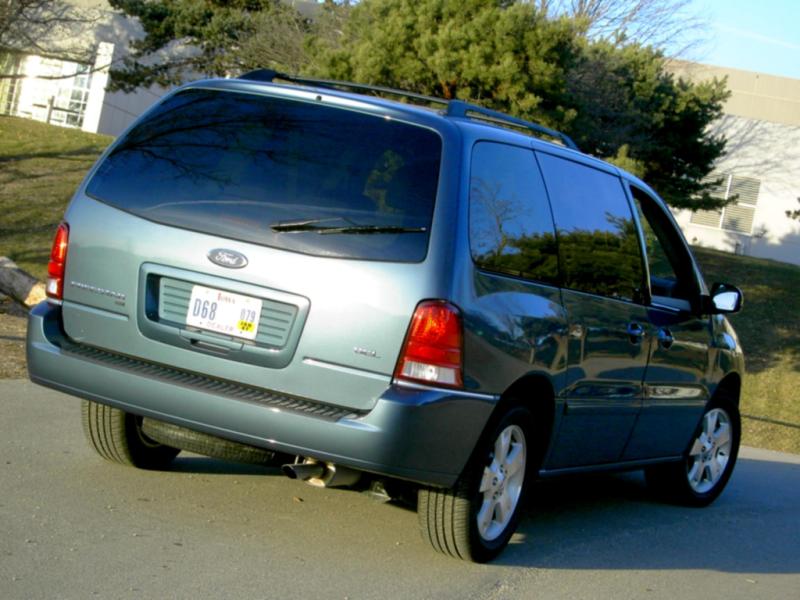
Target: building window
48	89
10	64
737	216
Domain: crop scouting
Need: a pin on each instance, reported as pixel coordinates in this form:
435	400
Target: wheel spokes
710	424
723	436
505	506
501	483
501	446
708	456
515	461
697	447
485	515
696	473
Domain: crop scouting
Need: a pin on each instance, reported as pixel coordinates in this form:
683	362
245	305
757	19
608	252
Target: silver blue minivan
417	292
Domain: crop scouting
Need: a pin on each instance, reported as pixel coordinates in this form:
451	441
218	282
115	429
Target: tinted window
671	270
597	237
511	228
294	175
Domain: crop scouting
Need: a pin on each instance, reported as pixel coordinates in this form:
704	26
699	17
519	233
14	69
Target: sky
754	35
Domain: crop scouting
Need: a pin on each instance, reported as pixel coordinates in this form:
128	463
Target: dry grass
769	331
40	167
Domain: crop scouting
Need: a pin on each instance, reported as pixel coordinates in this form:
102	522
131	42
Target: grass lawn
41	165
769	330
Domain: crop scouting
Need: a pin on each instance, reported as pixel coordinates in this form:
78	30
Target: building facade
761	168
70	94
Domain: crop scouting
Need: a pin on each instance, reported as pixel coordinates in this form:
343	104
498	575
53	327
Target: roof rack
454	108
269	75
457	108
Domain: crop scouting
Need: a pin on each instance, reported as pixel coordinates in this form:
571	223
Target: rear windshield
288	174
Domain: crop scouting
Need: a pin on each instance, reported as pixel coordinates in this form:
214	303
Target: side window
597	236
510	225
671	272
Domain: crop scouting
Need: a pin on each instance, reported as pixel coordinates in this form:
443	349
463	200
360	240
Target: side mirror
725	298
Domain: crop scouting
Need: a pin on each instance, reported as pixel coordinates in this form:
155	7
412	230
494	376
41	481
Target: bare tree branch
671	25
52	28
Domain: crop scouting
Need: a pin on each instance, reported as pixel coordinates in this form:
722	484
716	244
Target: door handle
665	338
635	331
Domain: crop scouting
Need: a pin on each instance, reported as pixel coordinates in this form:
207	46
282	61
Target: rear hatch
277	242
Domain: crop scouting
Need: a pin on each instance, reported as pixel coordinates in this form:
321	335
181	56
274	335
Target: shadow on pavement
193	463
611	522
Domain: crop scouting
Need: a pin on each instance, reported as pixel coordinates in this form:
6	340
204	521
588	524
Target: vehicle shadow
186	462
613	522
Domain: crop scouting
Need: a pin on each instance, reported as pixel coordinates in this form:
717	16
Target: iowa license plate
224	312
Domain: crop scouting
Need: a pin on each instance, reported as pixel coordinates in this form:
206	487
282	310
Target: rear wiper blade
303	224
355	229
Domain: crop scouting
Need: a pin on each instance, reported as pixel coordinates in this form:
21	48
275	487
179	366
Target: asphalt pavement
74	526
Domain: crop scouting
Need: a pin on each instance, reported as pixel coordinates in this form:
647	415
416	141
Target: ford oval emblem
229	259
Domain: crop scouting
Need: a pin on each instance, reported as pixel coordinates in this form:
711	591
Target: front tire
117	436
709	461
475	519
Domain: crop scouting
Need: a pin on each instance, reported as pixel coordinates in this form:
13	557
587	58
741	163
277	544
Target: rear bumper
423	435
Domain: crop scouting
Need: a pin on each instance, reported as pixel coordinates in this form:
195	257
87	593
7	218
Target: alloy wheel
710	452
501	483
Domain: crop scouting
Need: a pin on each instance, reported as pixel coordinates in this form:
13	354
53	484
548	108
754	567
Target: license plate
224	312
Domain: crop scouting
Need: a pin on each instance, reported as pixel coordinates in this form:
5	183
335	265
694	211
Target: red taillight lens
432	351
57	264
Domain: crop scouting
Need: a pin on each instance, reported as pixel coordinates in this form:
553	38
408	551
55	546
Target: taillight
58	263
432	350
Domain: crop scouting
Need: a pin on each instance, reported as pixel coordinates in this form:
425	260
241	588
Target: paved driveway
72	526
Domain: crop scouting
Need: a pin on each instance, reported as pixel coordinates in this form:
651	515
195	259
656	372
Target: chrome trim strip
665	307
453	392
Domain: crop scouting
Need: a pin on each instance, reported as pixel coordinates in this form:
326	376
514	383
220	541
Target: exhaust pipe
304	471
321	474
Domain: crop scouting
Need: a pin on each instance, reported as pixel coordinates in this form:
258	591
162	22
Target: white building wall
120	110
103	112
97	87
770	153
762	126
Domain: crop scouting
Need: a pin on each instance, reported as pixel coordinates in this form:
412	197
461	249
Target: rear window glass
294	175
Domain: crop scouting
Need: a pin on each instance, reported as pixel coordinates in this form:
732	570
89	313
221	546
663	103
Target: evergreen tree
618	102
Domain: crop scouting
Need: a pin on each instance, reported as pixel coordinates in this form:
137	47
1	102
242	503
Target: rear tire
117	437
477	517
709	460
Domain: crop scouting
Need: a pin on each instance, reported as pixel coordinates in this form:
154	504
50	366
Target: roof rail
454	108
269	75
457	108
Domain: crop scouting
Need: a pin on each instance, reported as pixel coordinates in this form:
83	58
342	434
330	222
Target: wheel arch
731	386
534	391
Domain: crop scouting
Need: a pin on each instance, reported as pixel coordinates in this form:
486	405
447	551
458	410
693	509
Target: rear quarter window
511	226
300	176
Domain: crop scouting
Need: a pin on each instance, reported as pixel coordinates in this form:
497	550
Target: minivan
366	284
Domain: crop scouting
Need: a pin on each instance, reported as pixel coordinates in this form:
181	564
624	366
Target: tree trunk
21	286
